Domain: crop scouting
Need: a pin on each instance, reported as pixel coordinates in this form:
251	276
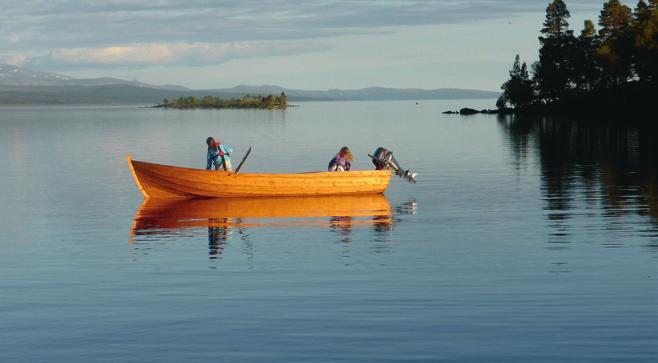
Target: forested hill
17	76
612	68
112	94
370	93
130	94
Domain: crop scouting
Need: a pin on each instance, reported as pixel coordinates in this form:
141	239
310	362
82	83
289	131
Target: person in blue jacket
219	155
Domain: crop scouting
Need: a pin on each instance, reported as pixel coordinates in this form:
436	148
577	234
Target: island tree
554	69
644	37
518	90
248	101
614	53
283	100
596	66
586	71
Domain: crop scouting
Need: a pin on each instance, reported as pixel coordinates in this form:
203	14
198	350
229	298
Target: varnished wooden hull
164	181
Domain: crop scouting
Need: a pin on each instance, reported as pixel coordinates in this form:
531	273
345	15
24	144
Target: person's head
345	153
211	142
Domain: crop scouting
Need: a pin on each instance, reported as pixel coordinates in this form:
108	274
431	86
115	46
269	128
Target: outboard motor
384	159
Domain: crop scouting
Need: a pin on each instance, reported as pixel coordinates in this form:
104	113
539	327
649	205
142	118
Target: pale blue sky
310	44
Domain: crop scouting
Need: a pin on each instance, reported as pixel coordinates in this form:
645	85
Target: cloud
13	38
78	23
15	59
61	35
179	53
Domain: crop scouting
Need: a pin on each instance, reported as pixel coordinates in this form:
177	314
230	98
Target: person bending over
219	155
342	161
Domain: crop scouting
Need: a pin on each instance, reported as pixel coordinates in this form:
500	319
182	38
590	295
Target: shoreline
633	99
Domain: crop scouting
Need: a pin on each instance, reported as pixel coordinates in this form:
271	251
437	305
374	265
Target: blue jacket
213	157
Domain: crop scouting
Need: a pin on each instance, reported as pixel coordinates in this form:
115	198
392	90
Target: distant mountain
23	86
371	93
381	93
17	76
110	94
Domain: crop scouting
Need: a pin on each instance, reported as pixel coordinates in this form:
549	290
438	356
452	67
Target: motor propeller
384	159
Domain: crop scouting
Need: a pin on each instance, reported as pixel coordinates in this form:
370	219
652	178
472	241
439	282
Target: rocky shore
470	111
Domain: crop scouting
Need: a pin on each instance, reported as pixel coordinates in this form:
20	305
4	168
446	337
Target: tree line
248	101
622	51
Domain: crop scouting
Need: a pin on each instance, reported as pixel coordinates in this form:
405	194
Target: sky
204	44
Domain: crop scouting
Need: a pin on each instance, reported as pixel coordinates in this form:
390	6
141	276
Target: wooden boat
156	215
164	181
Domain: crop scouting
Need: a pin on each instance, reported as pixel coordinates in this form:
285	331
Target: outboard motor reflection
384	159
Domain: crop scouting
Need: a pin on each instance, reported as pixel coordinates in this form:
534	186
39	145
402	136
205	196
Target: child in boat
342	161
219	155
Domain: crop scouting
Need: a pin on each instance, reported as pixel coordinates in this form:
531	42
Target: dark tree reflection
598	163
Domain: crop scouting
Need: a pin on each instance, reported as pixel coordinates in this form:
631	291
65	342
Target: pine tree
283	100
526	90
644	33
586	70
269	101
208	101
518	89
653	54
556	25
554	72
501	103
614	52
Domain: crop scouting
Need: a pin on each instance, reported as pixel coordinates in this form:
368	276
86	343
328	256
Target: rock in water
468	111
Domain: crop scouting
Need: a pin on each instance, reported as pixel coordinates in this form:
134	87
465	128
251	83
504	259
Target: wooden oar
243	159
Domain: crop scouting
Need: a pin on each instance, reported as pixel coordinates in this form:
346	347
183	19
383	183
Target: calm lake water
523	240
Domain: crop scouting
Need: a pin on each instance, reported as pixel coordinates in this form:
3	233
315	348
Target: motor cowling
384	160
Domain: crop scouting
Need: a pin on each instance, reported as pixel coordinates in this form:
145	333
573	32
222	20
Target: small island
248	101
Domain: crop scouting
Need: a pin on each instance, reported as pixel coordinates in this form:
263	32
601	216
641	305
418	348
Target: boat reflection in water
158	220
